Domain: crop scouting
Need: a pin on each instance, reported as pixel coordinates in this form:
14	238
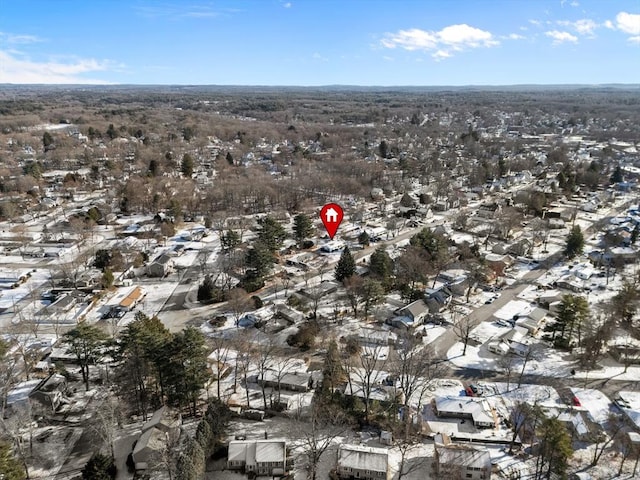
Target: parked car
502	323
473	390
576	402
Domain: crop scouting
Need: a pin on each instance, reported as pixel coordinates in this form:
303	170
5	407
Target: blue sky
320	42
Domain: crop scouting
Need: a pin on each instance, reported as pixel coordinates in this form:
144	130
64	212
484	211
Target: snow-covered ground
549	362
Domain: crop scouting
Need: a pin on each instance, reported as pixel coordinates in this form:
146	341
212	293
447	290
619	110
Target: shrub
257	302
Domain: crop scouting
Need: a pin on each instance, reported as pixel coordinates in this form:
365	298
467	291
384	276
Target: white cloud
561	37
454	38
584	26
628	23
14	39
515	36
287	5
635	39
179	11
574	4
609	24
24	70
441	55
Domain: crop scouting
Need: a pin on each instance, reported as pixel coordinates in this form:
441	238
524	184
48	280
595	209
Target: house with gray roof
475	408
262	457
368	463
462	461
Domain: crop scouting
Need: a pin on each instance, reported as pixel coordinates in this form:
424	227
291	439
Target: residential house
368	463
259	457
625	255
293	381
461	461
161	266
50	392
374	336
456	281
385	394
576	424
62	305
131	300
161	430
498	263
475	408
437	298
498	347
521	247
410	316
516	340
533	320
289	314
489	211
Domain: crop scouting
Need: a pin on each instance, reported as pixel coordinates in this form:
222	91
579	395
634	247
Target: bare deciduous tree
366	369
462	328
319	432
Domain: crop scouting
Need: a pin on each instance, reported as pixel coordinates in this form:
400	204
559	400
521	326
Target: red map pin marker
331	216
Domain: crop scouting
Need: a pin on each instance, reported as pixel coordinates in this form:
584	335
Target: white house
369	463
263	457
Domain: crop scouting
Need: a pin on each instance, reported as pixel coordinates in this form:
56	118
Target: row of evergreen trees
211	430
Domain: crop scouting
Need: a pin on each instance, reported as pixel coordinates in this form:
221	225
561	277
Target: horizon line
332	85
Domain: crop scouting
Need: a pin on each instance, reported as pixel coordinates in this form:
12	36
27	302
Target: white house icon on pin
332	215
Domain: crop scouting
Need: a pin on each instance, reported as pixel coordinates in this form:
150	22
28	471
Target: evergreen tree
184	365
259	259
616	176
186	167
571	319
229	240
111	132
381	267
384	149
433	244
193	465
103	259
346	267
188	133
575	242
206	290
271	234
10	467
99	467
107	278
364	239
154	167
141	374
47	140
333	373
302	228
555	449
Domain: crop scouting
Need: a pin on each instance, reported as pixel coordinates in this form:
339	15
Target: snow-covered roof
363	458
270	451
477	408
461	455
512	309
